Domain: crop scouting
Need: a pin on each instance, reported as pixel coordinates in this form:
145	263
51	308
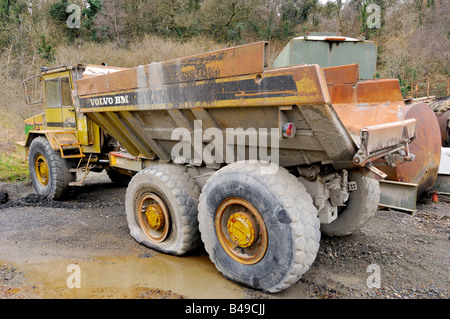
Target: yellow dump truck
251	161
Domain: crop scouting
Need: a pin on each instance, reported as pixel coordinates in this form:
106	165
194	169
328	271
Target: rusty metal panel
374	102
396	195
247	101
426	149
444	125
140	107
379	91
241	60
346	74
380	140
367	103
287	86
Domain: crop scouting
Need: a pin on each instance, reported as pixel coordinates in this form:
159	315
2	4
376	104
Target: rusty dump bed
233	88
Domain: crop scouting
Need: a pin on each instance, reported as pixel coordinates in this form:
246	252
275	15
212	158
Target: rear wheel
161	207
260	230
360	207
49	172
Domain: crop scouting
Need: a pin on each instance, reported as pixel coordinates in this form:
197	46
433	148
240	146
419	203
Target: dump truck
219	150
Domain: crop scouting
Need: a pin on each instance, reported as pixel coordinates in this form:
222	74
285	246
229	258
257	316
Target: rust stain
426	148
241	60
443	119
374	102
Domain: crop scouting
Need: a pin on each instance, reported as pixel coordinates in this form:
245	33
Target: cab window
58	93
66	92
52	94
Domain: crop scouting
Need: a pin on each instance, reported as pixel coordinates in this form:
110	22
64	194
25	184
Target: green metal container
328	51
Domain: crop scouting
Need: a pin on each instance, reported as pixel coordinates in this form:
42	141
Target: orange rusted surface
426	148
241	60
363	103
443	120
374	102
141	106
346	74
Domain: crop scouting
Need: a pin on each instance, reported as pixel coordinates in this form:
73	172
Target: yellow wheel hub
241	229
41	169
155	217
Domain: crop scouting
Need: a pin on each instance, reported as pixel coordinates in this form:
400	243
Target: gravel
396	255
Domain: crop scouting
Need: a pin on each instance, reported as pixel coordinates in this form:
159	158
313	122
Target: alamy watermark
374	19
374	279
250	145
74	19
74	279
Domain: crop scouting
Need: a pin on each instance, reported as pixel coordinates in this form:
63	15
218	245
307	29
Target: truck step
79	183
73	156
77	170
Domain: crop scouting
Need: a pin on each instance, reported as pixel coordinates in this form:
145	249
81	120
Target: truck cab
60	141
60	120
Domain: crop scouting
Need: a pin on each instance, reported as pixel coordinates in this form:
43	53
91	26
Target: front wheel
260	230
49	172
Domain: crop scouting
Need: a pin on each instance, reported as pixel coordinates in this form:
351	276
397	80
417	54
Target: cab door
59	111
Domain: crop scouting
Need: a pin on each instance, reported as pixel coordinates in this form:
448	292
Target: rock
4	197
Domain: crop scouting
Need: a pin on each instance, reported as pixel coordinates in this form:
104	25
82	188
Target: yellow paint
41	169
155	217
113	160
241	230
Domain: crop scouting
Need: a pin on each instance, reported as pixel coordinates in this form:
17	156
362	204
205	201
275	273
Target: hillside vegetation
413	37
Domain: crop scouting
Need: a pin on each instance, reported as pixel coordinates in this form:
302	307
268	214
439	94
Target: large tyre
118	178
161	208
260	230
49	172
360	207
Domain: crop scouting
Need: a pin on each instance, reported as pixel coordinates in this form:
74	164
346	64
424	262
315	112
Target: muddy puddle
160	276
130	277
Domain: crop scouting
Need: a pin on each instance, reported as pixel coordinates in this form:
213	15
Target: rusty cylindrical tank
441	108
423	170
444	125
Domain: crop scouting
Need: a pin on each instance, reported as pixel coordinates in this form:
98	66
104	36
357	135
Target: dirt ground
397	255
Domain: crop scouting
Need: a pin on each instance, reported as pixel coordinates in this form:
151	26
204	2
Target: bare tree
110	21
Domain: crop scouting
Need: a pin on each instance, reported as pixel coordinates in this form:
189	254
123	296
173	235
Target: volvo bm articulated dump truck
250	161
